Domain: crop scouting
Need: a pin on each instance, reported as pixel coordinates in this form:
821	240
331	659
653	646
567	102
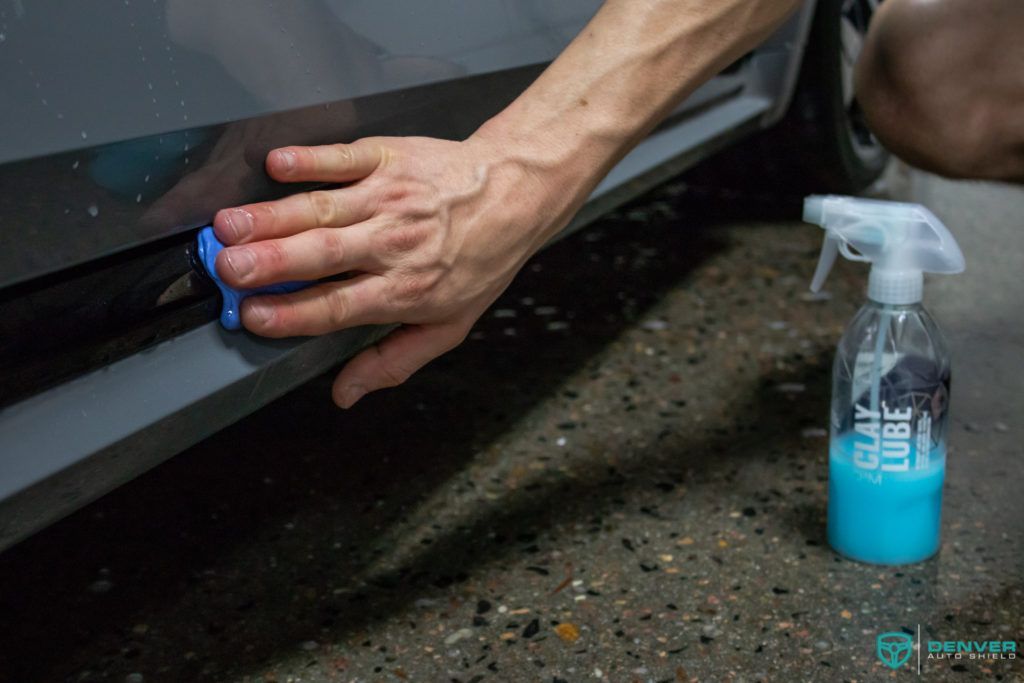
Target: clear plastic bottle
890	382
887	455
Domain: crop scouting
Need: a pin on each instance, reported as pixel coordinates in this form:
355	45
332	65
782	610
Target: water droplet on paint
74	166
93	210
138	198
84	135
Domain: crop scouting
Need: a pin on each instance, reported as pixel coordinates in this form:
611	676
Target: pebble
1001	427
816	296
655	325
461	634
568	632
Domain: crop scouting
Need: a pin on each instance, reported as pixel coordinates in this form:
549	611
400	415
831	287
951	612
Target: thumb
394	360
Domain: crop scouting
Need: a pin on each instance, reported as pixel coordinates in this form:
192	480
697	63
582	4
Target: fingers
310	255
320	309
394	360
289	216
327	163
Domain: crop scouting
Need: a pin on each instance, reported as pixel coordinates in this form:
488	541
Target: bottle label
897	426
883	438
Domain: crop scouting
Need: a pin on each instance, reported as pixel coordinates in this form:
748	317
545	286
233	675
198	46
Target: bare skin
942	85
432	231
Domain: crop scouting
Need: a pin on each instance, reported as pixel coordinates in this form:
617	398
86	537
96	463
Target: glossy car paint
137	120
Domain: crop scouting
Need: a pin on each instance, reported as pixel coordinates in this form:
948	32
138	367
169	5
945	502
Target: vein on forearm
627	70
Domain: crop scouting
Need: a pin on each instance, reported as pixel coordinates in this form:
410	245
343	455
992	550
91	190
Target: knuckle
271	258
395	193
331	247
344	155
264	215
404	238
337	308
410	290
394	373
321	203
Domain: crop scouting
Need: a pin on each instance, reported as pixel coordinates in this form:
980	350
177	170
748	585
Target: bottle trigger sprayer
890	381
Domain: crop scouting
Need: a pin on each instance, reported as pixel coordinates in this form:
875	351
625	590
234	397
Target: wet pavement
621	476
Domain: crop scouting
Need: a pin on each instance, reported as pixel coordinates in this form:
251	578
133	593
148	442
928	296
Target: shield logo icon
894	648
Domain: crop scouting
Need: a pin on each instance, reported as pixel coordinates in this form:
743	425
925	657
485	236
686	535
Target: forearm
628	68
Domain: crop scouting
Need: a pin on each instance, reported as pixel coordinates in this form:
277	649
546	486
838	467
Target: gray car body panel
440	72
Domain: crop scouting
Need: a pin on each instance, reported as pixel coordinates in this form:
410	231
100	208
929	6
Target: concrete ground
621	476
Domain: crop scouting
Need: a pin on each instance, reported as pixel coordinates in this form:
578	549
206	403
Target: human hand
430	232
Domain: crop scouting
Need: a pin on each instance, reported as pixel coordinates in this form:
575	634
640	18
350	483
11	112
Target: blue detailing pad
230	314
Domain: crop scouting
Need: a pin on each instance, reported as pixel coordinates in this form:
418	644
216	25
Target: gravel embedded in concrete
638	495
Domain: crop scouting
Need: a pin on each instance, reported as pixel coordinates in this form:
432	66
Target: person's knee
917	83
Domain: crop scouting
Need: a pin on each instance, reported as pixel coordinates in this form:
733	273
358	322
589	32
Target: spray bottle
890	382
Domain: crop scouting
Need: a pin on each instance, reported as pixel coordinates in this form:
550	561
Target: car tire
838	151
822	144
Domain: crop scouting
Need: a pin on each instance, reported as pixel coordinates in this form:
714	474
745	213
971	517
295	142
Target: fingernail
351	394
239	224
240	260
287	160
258	310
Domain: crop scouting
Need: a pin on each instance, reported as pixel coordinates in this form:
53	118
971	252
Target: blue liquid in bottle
884	517
887	456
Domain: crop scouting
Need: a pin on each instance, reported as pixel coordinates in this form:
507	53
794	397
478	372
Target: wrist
541	182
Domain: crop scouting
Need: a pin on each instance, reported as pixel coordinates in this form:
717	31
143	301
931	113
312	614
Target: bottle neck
894	307
895	287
